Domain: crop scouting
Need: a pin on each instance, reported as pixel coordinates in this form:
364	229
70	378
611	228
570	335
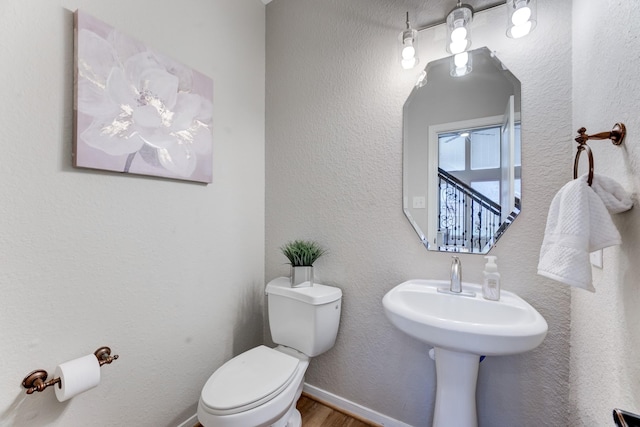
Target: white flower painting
138	111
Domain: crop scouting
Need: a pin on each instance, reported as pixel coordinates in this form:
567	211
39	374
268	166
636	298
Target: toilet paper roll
77	376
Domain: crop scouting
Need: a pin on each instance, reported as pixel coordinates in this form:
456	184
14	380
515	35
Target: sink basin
463	323
461	328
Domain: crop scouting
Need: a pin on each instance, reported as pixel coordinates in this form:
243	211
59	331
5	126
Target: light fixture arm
444	21
408	33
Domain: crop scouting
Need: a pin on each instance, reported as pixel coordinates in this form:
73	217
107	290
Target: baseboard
191	422
351	408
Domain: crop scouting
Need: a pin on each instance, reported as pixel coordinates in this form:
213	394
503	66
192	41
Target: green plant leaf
302	252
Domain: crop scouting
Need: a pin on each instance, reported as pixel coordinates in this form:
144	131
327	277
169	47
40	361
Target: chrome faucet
456	275
455	287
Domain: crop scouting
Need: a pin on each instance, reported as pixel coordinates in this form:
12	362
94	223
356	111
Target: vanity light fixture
521	20
408	40
459	28
521	17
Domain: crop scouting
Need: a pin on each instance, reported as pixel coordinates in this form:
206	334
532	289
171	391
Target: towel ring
616	135
581	148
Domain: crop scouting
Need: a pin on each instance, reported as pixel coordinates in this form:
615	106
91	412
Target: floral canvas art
138	111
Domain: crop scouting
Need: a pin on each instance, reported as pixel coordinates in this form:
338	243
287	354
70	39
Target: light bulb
408	52
409	63
461	59
408	39
460	71
461	64
458	46
520	30
460	33
459	22
521	15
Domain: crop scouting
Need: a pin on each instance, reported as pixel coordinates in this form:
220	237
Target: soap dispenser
491	284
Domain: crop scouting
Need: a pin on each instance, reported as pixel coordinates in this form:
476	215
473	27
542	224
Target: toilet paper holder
37	380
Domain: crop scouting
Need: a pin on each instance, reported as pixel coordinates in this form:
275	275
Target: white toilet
261	386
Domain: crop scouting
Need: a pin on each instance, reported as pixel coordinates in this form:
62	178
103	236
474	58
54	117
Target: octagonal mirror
461	153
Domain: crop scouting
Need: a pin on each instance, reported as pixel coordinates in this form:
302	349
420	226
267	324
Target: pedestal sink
461	329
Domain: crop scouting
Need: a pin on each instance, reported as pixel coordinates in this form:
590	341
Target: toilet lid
248	380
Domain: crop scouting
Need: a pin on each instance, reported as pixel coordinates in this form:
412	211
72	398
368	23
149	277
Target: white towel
578	223
614	197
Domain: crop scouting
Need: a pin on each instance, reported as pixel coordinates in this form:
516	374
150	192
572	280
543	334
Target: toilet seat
248	380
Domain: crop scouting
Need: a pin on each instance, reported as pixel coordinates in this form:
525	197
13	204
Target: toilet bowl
260	387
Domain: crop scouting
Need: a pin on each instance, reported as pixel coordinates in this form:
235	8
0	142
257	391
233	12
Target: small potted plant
301	255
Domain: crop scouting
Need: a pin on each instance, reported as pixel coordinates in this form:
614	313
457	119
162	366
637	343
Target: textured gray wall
335	91
169	274
605	342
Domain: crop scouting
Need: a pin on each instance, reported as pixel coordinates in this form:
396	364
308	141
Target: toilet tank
304	318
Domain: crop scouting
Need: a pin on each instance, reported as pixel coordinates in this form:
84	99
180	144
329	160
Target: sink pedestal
456	377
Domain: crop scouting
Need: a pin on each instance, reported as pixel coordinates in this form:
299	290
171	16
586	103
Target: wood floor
317	414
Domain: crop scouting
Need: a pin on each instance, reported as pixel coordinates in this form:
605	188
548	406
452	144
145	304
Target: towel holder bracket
616	135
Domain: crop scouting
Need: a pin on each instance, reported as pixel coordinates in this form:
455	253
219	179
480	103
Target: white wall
167	273
335	91
605	343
